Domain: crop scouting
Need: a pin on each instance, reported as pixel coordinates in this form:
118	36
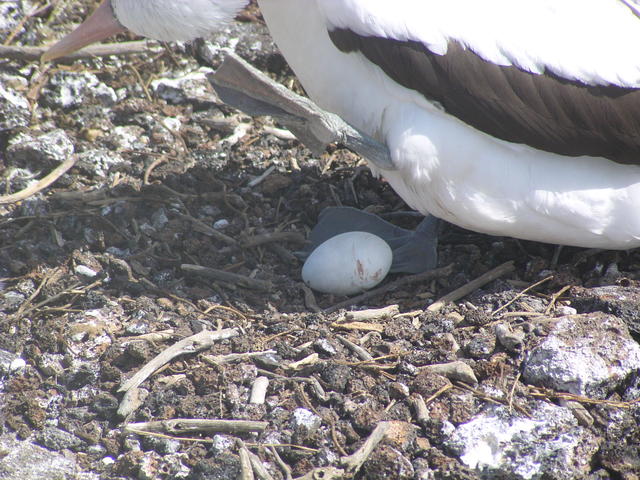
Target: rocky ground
531	375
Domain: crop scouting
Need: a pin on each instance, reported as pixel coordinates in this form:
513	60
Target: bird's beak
100	25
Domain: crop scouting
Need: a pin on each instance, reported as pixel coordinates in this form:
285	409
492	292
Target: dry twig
283	466
492	399
521	293
256	464
358	350
234	357
192	344
305	362
246	469
457	370
550	394
472	286
99	50
372	313
440	391
354	461
227	277
264	238
369	327
555	298
40	184
207	230
152	337
409	279
181	426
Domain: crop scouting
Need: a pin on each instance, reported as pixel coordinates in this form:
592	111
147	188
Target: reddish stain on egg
348	263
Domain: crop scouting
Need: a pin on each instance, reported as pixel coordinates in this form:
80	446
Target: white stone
504	445
193	86
85	271
221	224
221	444
305	420
591	354
172	123
17	365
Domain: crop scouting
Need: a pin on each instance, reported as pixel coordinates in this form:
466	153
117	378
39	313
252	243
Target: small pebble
221	224
322	345
17	365
85	271
305	420
565	310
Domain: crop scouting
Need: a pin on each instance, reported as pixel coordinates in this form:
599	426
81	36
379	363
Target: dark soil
153	209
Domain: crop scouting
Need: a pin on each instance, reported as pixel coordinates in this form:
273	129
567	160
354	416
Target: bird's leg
414	251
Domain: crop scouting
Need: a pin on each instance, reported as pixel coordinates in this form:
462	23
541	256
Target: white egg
348	263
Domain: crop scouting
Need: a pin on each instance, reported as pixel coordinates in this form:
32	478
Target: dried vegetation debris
180	216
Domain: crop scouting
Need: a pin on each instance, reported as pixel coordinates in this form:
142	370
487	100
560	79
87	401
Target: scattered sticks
521	293
493	399
419	277
283	466
311	381
354	461
246	469
256	464
207	230
192	344
473	285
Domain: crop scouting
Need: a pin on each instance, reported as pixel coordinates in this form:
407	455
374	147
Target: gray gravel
91	289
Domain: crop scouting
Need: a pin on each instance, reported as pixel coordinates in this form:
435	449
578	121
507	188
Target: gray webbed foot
414	251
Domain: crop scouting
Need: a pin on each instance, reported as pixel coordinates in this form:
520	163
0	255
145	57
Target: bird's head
158	19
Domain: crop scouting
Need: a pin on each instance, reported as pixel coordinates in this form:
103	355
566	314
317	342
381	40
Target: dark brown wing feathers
544	111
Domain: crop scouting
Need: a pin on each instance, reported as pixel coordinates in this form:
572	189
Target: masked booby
516	118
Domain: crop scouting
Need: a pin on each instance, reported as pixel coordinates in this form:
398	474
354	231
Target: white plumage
587	40
445	166
170	20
